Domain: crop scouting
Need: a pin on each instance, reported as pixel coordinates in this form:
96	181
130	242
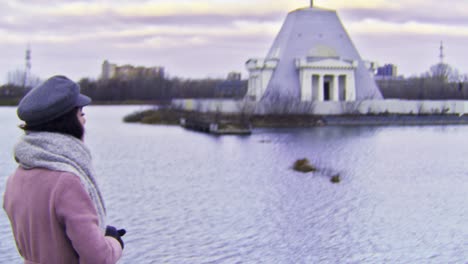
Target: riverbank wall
331	108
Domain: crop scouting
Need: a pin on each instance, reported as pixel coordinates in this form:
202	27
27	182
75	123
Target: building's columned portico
326	79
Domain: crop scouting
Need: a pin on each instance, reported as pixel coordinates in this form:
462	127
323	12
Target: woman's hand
117	234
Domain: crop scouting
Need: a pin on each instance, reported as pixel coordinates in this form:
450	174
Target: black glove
117	234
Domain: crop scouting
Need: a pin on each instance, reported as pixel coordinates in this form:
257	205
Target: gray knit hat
51	99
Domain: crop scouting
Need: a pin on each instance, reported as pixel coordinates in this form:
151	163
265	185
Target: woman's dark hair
67	123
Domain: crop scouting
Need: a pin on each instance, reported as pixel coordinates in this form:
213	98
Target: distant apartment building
388	71
126	72
108	70
234	76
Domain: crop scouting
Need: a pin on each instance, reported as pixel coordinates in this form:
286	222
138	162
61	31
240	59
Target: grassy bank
15	101
172	117
160	116
9	101
131	102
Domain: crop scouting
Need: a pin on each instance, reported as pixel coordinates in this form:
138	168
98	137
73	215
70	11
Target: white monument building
312	59
314	68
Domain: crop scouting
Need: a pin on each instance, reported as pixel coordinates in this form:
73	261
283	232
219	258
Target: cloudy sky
209	38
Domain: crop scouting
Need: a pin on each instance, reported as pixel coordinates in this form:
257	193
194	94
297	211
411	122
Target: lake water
187	197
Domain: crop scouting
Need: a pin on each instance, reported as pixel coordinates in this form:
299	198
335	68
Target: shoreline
397	120
15	102
172	117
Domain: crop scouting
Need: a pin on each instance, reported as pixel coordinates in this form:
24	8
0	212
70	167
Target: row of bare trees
140	89
159	89
423	88
441	82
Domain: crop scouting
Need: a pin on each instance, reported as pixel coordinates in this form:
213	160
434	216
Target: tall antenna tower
441	56
27	70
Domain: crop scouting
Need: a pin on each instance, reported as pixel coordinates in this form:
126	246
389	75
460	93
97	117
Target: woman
54	205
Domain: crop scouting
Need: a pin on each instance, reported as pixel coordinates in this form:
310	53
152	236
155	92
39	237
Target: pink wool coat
54	220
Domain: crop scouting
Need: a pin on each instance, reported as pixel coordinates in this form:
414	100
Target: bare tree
351	107
21	78
444	73
276	103
16	77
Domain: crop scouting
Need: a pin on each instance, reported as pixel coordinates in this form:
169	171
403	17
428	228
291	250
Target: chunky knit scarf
61	152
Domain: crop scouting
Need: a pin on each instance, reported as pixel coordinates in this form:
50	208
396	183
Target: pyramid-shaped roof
314	33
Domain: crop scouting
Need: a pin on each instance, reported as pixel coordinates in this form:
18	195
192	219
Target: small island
242	123
220	123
